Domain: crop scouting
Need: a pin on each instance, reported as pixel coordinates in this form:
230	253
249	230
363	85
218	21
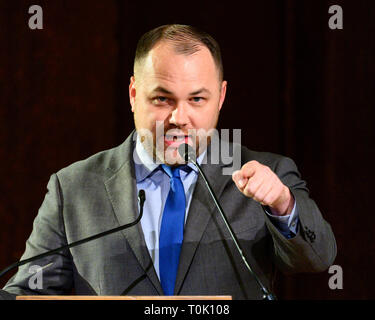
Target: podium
39	297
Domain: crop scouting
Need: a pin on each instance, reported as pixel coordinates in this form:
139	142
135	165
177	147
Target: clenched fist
259	182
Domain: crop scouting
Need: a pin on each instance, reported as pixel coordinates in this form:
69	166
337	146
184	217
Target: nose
179	115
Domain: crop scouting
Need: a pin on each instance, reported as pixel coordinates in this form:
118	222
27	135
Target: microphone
141	199
188	154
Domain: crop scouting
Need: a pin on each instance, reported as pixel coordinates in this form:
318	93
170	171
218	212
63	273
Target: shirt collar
145	166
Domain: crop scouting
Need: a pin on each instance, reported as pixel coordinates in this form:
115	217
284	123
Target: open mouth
176	139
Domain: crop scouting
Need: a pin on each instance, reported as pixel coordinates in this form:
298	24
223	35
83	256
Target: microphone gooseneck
189	155
141	199
187	152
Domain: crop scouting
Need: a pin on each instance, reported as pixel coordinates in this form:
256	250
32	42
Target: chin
172	157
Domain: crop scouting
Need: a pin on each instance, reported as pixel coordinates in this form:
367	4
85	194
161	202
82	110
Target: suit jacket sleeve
48	233
313	249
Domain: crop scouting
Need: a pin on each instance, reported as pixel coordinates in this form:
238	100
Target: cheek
205	118
146	114
142	117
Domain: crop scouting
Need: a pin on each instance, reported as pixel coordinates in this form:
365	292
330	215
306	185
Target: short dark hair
186	40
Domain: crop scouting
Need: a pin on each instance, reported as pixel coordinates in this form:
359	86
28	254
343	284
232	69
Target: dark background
295	87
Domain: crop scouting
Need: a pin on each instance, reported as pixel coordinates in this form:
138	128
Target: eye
197	99
159	100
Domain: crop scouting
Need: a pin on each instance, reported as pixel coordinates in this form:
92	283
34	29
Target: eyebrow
163	90
202	90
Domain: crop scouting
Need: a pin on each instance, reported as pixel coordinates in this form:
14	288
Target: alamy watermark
36	280
36	20
162	146
336	280
336	21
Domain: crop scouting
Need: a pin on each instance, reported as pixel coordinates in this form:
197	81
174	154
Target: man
181	245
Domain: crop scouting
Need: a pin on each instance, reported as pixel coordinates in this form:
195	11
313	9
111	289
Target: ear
223	92
132	92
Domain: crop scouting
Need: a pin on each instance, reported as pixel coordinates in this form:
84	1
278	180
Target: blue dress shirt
156	183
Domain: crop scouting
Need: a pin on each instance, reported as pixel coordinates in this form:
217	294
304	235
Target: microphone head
142	195
186	152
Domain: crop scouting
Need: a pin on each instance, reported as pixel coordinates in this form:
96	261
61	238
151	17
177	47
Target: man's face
181	93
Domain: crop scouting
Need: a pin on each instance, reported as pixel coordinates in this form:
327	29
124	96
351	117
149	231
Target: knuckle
250	164
258	196
267	200
268	170
250	189
246	192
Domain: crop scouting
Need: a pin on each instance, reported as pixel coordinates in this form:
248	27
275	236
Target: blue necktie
171	231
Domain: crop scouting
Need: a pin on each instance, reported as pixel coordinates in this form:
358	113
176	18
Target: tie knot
174	172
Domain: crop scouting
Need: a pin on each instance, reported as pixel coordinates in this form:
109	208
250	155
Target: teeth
174	138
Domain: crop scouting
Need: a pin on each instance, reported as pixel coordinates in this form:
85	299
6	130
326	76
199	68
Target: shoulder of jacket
266	158
96	165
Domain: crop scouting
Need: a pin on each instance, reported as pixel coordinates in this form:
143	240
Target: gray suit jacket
99	193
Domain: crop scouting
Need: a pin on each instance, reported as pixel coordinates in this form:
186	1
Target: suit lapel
201	209
122	192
